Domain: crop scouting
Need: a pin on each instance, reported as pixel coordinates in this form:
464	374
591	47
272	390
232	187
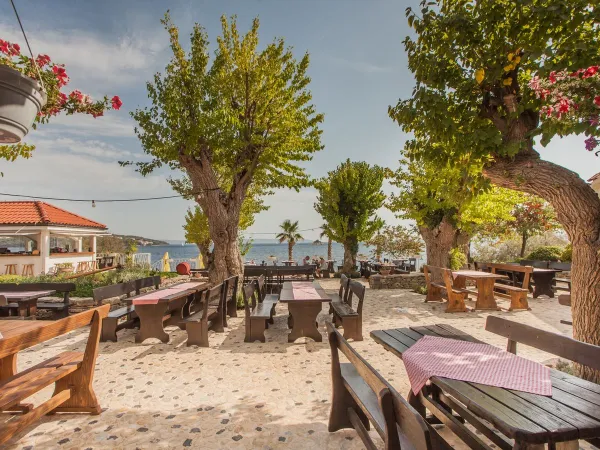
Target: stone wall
400	281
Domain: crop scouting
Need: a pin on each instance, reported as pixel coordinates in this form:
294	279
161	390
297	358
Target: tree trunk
290	251
205	254
523	244
438	243
577	208
349	260
329	249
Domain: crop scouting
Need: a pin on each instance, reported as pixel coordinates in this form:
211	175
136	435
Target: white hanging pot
21	99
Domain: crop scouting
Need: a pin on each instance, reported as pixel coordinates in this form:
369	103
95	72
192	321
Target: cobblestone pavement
235	395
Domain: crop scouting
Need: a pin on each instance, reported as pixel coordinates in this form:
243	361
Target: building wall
20	261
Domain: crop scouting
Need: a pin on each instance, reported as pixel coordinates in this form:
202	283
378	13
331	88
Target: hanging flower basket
21	100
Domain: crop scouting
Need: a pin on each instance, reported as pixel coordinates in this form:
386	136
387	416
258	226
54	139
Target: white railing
142	259
159	265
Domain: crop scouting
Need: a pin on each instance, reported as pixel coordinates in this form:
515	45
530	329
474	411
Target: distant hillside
141	240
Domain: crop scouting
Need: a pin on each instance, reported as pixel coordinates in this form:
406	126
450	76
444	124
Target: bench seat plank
26	383
263	310
344	309
508	287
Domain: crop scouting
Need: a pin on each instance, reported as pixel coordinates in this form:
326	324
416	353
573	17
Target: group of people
321	264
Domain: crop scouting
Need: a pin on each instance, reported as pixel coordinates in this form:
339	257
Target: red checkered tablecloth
477	363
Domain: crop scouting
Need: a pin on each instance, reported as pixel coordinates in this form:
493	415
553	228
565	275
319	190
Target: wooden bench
361	397
587	355
59	309
231	296
197	324
71	372
258	313
113	323
346	316
439	280
263	297
513	288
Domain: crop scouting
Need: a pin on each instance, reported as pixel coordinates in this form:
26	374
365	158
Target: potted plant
30	93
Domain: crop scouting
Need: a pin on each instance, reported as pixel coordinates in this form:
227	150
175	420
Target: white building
39	234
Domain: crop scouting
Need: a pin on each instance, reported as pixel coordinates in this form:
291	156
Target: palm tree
291	235
326	232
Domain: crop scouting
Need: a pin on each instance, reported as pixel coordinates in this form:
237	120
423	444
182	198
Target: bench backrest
402	422
556	344
343	292
10	345
214	296
439	275
250	296
261	287
147	282
231	287
357	289
512	269
114	290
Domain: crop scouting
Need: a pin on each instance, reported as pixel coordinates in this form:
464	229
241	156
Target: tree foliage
348	200
291	235
238	121
396	241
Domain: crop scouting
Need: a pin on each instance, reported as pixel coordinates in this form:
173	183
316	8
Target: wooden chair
198	324
361	397
71	372
440	280
27	270
11	269
344	314
258	314
514	288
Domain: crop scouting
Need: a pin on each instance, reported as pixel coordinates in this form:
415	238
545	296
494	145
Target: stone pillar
79	244
44	248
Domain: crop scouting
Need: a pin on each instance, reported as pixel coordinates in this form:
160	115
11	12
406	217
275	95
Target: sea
258	252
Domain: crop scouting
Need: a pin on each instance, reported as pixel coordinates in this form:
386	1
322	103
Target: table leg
151	322
543	284
304	317
176	308
33	308
485	295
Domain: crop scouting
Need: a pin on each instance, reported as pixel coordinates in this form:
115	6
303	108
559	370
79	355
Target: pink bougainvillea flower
590	72
61	75
42	60
76	95
591	143
4	47
15	50
116	102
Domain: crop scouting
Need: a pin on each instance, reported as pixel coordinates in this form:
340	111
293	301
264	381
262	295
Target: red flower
62	98
4	47
97	114
42	60
76	95
552	77
590	72
597	100
116	102
61	75
15	50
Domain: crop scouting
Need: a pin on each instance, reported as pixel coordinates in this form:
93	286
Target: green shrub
421	290
567	254
546	253
457	259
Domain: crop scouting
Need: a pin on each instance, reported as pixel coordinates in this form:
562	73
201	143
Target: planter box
21	99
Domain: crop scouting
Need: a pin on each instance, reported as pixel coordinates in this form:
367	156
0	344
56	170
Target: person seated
322	266
306	261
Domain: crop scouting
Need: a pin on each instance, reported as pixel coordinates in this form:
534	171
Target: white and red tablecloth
478	363
305	290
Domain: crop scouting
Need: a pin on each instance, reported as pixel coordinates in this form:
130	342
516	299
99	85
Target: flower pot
21	99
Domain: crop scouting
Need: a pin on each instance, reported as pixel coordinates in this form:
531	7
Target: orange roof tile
41	213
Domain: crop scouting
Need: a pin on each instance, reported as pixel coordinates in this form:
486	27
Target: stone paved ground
235	395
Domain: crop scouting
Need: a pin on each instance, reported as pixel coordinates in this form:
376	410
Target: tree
110	244
197	230
326	232
472	62
396	241
243	122
348	199
532	217
447	212
290	234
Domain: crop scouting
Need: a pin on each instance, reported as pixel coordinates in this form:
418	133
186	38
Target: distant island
140	240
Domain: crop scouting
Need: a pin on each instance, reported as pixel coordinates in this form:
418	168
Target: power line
103	200
277	232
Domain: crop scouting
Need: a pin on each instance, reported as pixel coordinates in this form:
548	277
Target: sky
358	68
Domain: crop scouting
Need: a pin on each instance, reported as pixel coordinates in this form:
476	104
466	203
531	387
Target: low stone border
397	281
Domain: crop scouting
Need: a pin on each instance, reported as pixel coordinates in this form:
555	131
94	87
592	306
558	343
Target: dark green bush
546	253
567	254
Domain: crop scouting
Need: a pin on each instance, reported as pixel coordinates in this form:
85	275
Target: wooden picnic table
543	280
485	286
26	301
167	306
304	308
521	420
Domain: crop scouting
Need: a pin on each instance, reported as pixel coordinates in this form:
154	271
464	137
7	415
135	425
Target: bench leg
197	333
232	307
518	300
434	294
352	328
456	303
109	329
257	330
340	403
82	399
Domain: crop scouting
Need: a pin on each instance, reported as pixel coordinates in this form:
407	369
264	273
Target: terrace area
245	395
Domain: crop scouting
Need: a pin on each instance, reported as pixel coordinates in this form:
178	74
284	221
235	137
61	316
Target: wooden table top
571	413
14	296
169	293
287	293
476	274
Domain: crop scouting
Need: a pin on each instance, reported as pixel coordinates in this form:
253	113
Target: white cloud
90	147
88	58
113	124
